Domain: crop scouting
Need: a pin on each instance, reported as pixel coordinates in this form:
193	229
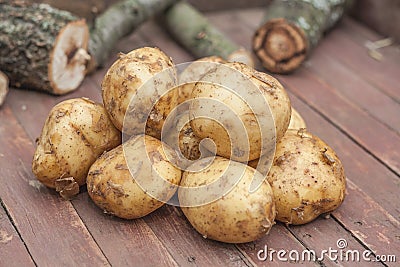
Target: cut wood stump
42	48
291	29
193	31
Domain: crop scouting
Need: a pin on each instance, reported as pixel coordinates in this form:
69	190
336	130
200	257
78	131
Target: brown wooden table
349	99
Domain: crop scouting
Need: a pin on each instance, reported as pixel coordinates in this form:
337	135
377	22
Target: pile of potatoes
81	142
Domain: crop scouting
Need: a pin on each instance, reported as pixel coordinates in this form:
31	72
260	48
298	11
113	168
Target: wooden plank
355	88
359	166
365	130
384	75
189	247
324	234
50	227
370	223
279	238
361	34
383	16
12	249
362	169
154	35
31	108
124	242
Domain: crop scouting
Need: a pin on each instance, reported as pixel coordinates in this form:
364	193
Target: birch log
191	29
291	29
42	48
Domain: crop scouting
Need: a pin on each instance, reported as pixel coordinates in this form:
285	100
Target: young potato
229	117
296	121
307	178
181	137
136	91
192	74
134	179
75	134
238	216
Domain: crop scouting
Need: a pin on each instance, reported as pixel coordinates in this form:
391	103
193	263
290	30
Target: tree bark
42	48
116	22
3	87
291	29
193	31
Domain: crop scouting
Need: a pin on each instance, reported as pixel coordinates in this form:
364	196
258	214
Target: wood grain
279	238
49	226
382	74
116	238
365	130
360	34
124	242
188	246
382	16
11	244
370	223
355	88
363	169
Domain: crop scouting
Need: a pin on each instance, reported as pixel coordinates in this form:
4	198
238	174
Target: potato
307	178
75	134
133	85
235	217
181	137
296	123
296	120
192	73
228	116
133	179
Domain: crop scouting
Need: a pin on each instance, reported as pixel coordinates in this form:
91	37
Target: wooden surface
382	16
347	98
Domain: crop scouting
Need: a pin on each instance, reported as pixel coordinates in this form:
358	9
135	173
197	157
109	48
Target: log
193	31
42	48
3	87
116	22
291	29
87	9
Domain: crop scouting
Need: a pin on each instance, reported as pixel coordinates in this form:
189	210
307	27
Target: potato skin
273	93
237	217
113	188
185	90
123	80
296	121
75	133
307	178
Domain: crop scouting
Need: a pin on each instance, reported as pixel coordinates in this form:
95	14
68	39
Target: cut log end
3	87
68	60
280	45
